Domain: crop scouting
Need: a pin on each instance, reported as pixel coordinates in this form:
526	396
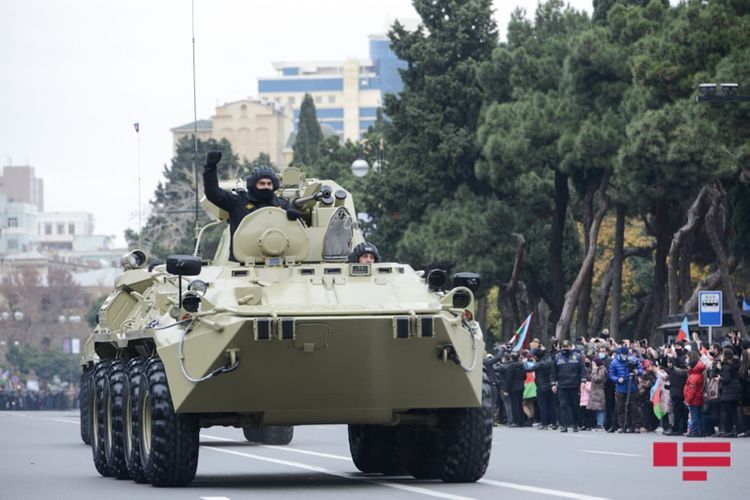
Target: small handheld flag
655	397
682	334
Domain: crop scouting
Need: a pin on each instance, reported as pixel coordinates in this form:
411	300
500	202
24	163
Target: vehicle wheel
168	441
84	405
114	407
131	444
421	451
466	439
273	434
98	398
376	449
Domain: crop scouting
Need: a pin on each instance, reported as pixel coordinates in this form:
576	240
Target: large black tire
131	444
98	398
376	449
114	417
421	453
168	441
84	405
466	439
272	434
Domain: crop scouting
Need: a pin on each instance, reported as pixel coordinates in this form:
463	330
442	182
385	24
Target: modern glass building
347	93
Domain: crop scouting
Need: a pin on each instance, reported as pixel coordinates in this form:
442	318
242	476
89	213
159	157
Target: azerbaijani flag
682	334
521	336
656	397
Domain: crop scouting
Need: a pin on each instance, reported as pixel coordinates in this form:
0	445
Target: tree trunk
556	245
660	264
709	283
686	282
714	220
601	298
481	316
508	302
614	320
584	298
542	321
696	212
563	325
643	330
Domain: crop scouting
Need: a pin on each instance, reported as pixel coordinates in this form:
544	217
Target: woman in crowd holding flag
694	394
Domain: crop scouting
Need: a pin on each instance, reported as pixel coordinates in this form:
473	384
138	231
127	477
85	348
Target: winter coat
621	369
678	375
597	399
694	386
729	383
543	372
568	371
515	377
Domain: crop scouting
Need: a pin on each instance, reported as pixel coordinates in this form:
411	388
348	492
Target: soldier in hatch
261	184
365	253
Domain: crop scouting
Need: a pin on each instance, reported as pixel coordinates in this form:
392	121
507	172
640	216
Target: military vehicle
291	333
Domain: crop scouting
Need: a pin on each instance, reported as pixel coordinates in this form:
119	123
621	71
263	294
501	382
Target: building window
71	228
332	99
12	244
12	221
48	228
60	228
318	99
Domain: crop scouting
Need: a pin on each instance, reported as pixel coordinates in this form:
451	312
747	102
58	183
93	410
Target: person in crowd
744	376
597	399
514	384
544	396
677	371
730	392
693	394
645	383
568	375
623	371
529	390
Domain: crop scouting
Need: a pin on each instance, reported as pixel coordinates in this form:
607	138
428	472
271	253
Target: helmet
259	173
364	248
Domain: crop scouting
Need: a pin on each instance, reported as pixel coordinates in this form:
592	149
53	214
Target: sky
76	74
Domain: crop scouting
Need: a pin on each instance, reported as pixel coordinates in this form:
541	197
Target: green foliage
46	363
309	135
171	225
92	315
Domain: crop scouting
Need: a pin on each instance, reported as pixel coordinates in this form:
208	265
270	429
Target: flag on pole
656	397
137	127
521	336
682	334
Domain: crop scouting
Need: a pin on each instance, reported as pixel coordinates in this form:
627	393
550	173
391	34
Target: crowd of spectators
29	392
682	388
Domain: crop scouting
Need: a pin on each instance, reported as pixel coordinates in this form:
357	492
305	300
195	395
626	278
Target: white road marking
615	453
541	491
215	498
344	475
284	448
51	419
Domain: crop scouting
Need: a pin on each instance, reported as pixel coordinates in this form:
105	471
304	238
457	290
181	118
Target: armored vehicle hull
289	333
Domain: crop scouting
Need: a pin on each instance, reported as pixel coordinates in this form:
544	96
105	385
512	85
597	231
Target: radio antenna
195	121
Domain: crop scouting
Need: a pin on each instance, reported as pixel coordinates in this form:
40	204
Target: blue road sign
709	308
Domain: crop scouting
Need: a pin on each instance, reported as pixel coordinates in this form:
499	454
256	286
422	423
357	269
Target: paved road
42	457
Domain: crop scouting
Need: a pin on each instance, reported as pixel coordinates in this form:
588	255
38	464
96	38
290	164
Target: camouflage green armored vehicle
291	333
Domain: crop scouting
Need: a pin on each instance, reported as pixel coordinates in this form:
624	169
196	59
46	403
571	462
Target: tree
431	138
309	135
171	225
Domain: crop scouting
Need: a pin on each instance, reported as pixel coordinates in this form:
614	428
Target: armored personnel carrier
291	333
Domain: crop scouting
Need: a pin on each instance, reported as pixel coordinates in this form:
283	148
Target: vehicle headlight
198	286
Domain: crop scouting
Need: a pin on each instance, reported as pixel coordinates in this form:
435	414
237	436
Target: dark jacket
568	370
729	383
678	375
515	377
237	203
543	374
501	375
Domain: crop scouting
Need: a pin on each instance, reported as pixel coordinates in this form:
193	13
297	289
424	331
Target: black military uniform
544	396
241	203
568	372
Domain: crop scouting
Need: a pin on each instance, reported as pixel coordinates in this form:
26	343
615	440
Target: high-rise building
20	185
347	94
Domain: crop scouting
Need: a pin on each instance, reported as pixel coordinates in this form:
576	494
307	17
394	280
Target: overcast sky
76	74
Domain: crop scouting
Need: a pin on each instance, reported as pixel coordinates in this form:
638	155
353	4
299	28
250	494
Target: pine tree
309	135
